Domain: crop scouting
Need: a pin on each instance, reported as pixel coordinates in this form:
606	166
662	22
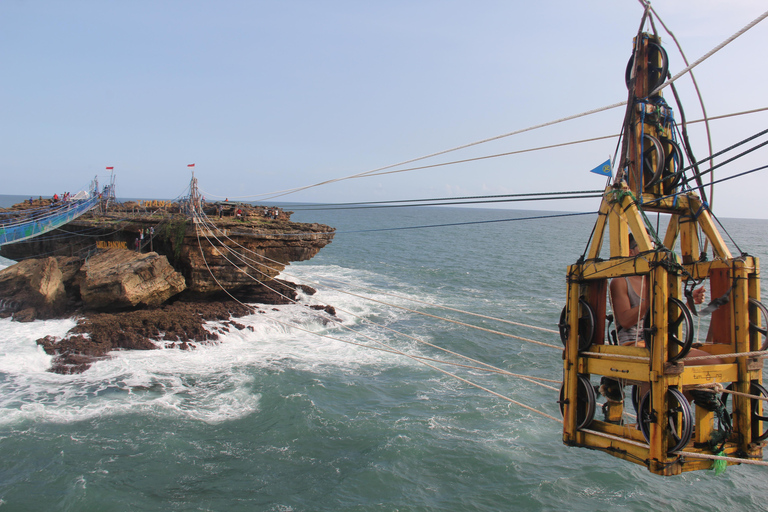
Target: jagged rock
328	309
95	335
121	296
243	253
247	260
34	289
119	279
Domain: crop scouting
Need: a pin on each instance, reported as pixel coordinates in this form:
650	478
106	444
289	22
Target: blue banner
604	169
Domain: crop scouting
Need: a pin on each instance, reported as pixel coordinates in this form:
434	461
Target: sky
267	96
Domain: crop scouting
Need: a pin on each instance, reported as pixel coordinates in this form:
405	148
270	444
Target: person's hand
698	295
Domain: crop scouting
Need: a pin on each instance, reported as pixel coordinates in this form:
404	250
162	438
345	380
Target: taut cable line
280	193
556	197
528	150
210	225
243	259
391	349
429	201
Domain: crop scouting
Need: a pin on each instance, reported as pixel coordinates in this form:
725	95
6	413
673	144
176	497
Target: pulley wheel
636	399
673	165
679	329
757	408
586	402
656	74
653	160
586	325
758	321
679	419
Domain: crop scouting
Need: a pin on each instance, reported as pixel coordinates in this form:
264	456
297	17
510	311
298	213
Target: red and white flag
190	165
110	168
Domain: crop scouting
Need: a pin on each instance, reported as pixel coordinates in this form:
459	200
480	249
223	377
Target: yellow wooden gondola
681	421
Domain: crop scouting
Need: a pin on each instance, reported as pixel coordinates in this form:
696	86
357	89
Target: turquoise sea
280	419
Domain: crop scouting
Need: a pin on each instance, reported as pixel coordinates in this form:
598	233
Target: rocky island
136	274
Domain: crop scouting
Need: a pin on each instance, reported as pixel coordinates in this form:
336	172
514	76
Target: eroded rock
97	334
119	279
34	287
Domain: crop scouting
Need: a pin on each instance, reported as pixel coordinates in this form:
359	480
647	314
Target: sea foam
212	382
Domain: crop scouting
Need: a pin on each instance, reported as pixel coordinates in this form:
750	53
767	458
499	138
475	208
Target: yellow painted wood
673	230
704	425
708	227
618	232
599	234
616	369
617	267
619	350
636	224
740	315
658	429
570	374
689	240
655	203
707	374
701	270
622	215
617	448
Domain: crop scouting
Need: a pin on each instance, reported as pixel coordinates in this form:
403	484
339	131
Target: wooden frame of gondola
621	211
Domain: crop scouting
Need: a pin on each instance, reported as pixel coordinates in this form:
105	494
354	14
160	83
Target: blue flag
604	169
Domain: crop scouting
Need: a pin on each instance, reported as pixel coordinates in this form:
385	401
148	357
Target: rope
469	223
531	128
330	206
539	148
734	158
737	460
680	453
717	388
552	331
417	359
758	353
520	151
616	356
614	438
695	85
272	195
489	367
544	329
415	311
593	195
711	52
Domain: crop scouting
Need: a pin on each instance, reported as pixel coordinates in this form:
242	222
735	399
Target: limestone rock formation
119	278
33	289
210	269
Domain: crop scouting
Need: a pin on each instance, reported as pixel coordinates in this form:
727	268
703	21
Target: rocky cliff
230	254
137	278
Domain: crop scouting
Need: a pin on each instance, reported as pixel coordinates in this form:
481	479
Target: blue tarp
42	223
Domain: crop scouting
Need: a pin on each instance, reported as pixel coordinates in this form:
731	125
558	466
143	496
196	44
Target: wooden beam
602	218
673	229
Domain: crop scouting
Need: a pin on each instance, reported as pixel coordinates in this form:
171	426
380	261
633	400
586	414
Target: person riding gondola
630	301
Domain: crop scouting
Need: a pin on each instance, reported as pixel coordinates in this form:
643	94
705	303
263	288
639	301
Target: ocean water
277	418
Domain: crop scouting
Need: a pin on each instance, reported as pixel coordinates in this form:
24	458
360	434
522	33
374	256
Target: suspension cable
326	206
243	259
280	193
469	223
462	379
414	300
